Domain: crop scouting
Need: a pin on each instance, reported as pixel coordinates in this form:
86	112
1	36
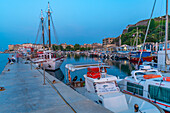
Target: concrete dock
25	92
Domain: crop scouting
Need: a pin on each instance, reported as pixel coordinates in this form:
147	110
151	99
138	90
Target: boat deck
144	106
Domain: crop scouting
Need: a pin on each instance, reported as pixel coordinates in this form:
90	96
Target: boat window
140	73
159	93
135	88
150	72
146	73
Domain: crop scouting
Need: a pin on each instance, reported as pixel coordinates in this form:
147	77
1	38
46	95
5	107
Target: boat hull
52	64
148	59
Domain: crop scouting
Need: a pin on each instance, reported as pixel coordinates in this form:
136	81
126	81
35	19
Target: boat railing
134	90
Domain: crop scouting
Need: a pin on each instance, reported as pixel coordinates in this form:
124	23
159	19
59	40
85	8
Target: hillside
156	31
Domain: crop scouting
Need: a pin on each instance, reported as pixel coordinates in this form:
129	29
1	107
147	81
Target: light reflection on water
121	68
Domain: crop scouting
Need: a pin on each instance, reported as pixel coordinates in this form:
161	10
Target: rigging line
55	34
38	32
41	40
147	30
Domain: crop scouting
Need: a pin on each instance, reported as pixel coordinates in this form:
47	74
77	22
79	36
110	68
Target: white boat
48	60
148	83
103	89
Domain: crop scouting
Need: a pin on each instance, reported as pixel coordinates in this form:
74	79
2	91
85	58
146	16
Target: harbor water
119	68
3	61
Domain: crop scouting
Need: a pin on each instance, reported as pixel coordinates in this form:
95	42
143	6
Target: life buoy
150	76
166	79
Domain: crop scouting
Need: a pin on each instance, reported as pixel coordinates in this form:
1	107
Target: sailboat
47	58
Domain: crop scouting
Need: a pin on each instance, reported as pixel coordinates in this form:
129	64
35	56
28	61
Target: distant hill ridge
156	31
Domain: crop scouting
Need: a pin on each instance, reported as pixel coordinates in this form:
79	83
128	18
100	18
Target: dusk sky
76	21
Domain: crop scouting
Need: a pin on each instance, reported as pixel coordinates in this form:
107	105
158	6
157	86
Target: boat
150	84
47	58
145	56
102	88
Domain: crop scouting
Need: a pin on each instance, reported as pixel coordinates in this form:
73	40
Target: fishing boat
149	83
102	88
145	56
47	58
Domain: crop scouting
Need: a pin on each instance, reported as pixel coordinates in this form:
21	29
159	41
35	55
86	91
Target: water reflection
121	68
124	66
58	74
77	57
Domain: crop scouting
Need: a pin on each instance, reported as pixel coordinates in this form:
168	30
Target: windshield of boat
146	73
107	86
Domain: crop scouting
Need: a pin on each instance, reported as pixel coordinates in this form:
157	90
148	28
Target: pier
25	92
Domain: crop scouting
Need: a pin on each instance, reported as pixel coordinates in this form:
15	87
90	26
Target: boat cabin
46	54
149	84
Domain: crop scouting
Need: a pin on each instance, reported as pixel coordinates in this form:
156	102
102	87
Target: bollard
44	76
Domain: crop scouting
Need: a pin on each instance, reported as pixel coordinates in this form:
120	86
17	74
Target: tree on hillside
82	49
152	25
68	48
88	48
76	47
61	48
54	47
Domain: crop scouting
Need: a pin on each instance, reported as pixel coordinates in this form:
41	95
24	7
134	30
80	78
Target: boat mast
49	14
166	35
42	22
137	39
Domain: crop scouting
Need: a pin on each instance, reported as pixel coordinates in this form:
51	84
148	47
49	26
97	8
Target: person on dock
13	58
9	60
18	55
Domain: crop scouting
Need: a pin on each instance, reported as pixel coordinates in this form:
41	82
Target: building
64	45
10	47
27	45
87	46
107	41
38	46
96	46
72	46
16	47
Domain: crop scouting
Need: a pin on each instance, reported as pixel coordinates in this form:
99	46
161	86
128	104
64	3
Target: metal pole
44	76
166	35
49	13
137	39
42	22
